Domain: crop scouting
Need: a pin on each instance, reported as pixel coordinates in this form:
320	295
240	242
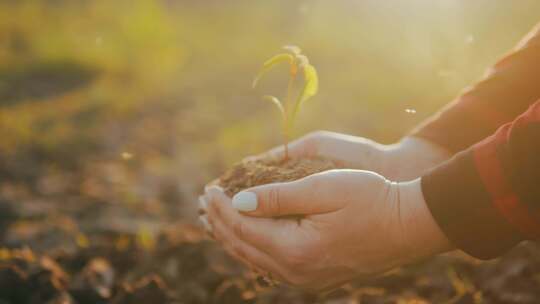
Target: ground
174	262
114	114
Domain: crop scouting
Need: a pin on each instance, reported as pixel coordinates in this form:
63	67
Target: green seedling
290	108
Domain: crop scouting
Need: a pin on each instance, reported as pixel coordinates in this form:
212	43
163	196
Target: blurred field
113	114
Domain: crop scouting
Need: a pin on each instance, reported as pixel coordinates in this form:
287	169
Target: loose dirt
257	172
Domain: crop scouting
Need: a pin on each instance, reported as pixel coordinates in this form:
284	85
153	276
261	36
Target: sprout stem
287	122
286	145
289	108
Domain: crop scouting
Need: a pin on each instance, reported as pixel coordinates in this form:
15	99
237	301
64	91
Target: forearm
484	197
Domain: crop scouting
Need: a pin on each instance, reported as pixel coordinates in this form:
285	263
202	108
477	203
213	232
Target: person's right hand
344	224
401	161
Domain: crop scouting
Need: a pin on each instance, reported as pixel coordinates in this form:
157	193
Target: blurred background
114	114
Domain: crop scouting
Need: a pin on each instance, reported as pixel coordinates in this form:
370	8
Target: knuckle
239	228
273	203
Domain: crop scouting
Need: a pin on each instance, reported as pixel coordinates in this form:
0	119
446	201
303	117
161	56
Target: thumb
301	197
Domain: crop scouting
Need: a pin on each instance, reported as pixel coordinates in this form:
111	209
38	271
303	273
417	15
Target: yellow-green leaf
267	66
312	81
311	86
278	104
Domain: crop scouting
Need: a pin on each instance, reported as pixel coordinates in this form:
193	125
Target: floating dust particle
410	111
126	155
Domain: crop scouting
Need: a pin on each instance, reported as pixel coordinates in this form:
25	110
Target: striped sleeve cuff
462	206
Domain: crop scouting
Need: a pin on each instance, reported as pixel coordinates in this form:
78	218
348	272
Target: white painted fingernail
204	222
202	203
245	201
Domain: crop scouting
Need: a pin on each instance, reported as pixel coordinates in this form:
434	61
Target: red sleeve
507	90
487	198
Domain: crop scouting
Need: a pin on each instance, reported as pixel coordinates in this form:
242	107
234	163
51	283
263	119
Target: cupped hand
404	160
326	229
347	150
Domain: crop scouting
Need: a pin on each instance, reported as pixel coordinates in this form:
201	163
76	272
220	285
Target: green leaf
270	63
278	104
311	86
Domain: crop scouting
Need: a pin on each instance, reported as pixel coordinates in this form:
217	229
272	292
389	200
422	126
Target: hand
352	224
405	160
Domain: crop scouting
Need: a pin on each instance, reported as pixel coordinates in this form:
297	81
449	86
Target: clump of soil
26	277
257	172
21	272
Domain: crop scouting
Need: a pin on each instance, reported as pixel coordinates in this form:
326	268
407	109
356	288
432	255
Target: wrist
410	158
421	235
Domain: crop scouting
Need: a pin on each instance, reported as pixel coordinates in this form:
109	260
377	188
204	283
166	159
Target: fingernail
202	203
205	223
245	201
214	184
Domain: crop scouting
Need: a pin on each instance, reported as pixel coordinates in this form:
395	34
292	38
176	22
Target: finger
249	257
301	197
203	219
213	183
268	235
232	253
203	205
241	250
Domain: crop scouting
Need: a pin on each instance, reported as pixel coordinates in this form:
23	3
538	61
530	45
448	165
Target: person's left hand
346	224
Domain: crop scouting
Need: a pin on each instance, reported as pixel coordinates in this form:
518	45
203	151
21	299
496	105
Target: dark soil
191	269
60	246
78	250
42	80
